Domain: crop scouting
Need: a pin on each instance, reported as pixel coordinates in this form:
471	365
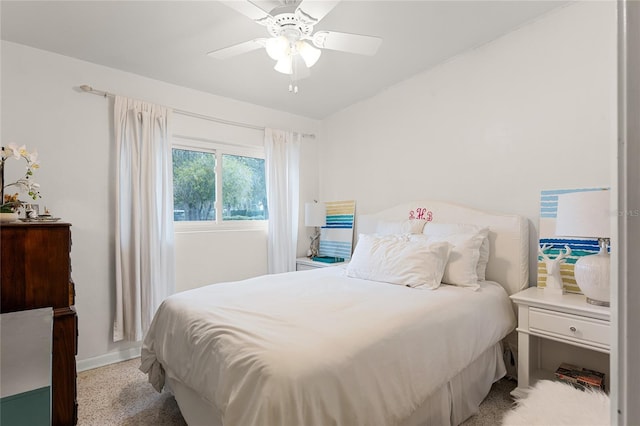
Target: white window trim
219	149
183	227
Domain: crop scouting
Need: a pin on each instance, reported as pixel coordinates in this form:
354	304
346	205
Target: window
194	185
244	193
216	184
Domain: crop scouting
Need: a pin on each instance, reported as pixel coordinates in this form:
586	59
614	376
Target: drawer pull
573	329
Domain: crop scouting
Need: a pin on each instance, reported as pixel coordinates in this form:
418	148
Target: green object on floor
32	408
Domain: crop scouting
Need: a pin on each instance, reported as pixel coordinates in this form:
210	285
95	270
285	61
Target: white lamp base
314	247
592	276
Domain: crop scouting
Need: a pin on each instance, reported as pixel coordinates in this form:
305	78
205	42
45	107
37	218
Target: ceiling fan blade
269	5
250	10
312	11
352	43
238	49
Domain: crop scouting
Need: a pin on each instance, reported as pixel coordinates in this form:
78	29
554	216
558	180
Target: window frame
219	149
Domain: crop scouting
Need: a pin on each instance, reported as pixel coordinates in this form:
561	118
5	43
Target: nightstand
304	264
558	328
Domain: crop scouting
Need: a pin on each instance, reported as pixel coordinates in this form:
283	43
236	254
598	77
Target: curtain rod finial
86	88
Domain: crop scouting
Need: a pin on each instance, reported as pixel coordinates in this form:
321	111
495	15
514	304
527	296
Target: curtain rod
88	89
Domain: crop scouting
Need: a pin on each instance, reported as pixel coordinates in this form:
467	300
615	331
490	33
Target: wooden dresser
36	273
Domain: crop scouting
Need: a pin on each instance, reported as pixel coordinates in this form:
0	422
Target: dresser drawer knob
573	329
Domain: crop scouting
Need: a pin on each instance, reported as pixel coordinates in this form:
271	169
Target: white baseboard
109	358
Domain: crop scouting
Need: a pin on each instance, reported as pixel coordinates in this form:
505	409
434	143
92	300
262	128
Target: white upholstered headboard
508	235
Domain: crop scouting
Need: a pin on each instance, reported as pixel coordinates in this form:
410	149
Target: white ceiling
168	41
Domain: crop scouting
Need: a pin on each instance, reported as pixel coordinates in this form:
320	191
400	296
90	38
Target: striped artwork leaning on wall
579	246
336	237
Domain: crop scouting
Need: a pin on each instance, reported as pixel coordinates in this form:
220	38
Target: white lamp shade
583	214
284	65
309	54
277	47
315	214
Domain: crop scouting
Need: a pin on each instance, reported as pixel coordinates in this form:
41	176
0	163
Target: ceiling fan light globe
284	65
277	47
309	54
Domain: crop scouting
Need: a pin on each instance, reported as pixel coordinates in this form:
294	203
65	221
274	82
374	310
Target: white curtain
145	264
282	168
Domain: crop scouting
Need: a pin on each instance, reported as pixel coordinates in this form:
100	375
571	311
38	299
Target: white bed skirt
451	404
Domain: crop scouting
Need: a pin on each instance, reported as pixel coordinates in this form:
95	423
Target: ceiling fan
293	44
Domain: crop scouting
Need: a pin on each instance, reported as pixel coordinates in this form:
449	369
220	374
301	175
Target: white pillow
443	229
461	269
397	259
409	226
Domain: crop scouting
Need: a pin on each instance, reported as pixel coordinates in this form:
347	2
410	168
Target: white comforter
318	348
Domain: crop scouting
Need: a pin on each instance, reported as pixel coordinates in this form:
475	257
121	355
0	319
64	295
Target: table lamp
315	214
585	214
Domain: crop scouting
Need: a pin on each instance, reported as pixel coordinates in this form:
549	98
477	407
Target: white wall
532	110
42	108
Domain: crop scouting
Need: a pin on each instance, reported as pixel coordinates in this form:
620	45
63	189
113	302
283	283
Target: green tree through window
244	193
194	185
194	193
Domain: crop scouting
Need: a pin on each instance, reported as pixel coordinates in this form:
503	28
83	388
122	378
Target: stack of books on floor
581	378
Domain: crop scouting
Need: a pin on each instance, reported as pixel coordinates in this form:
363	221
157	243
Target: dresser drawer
587	331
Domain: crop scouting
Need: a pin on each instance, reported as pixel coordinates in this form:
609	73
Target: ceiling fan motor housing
291	26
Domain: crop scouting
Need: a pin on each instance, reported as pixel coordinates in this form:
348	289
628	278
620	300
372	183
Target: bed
332	346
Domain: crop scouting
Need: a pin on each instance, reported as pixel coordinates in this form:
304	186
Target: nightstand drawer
304	264
585	330
304	267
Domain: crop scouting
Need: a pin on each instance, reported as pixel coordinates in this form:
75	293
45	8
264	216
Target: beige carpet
119	394
495	405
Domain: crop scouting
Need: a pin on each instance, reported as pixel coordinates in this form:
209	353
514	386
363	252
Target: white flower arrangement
11	203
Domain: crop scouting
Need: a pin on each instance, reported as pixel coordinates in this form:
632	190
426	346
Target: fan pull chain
293	84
